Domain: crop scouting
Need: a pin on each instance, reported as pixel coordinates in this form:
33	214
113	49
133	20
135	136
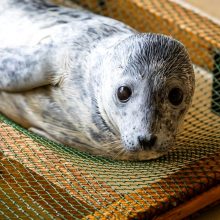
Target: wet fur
59	79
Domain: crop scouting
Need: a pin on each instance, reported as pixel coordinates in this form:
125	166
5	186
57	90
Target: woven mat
43	180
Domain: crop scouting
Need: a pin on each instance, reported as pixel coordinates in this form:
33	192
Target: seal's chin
142	155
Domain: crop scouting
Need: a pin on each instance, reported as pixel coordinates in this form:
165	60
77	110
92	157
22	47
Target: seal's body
91	82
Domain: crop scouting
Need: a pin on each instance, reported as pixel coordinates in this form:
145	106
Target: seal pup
91	82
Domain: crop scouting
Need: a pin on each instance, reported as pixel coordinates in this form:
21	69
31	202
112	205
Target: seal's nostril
153	140
145	143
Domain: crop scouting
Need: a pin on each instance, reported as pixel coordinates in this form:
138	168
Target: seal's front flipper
25	68
42	133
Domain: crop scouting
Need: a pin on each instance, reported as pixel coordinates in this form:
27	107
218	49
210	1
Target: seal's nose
145	143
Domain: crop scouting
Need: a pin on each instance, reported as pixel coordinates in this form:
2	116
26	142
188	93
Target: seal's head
145	93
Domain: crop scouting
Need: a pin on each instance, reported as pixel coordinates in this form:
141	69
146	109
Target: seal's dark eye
124	93
175	96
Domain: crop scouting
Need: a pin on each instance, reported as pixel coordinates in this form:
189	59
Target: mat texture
43	180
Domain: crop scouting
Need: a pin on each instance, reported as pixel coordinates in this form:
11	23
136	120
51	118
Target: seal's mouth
139	155
142	155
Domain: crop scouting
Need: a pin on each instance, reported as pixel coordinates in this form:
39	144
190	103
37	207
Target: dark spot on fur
86	18
54	9
158	113
91	30
182	111
96	136
35	5
170	126
124	113
62	22
70	14
93	33
74	16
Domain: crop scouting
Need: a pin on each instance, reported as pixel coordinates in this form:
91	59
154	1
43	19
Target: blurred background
211	7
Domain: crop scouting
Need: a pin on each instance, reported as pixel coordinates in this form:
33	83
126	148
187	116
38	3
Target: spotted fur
60	69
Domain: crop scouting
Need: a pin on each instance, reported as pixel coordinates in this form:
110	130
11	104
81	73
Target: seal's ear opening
216	84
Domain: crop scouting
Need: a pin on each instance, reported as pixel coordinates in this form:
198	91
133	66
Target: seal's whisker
111	143
118	154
